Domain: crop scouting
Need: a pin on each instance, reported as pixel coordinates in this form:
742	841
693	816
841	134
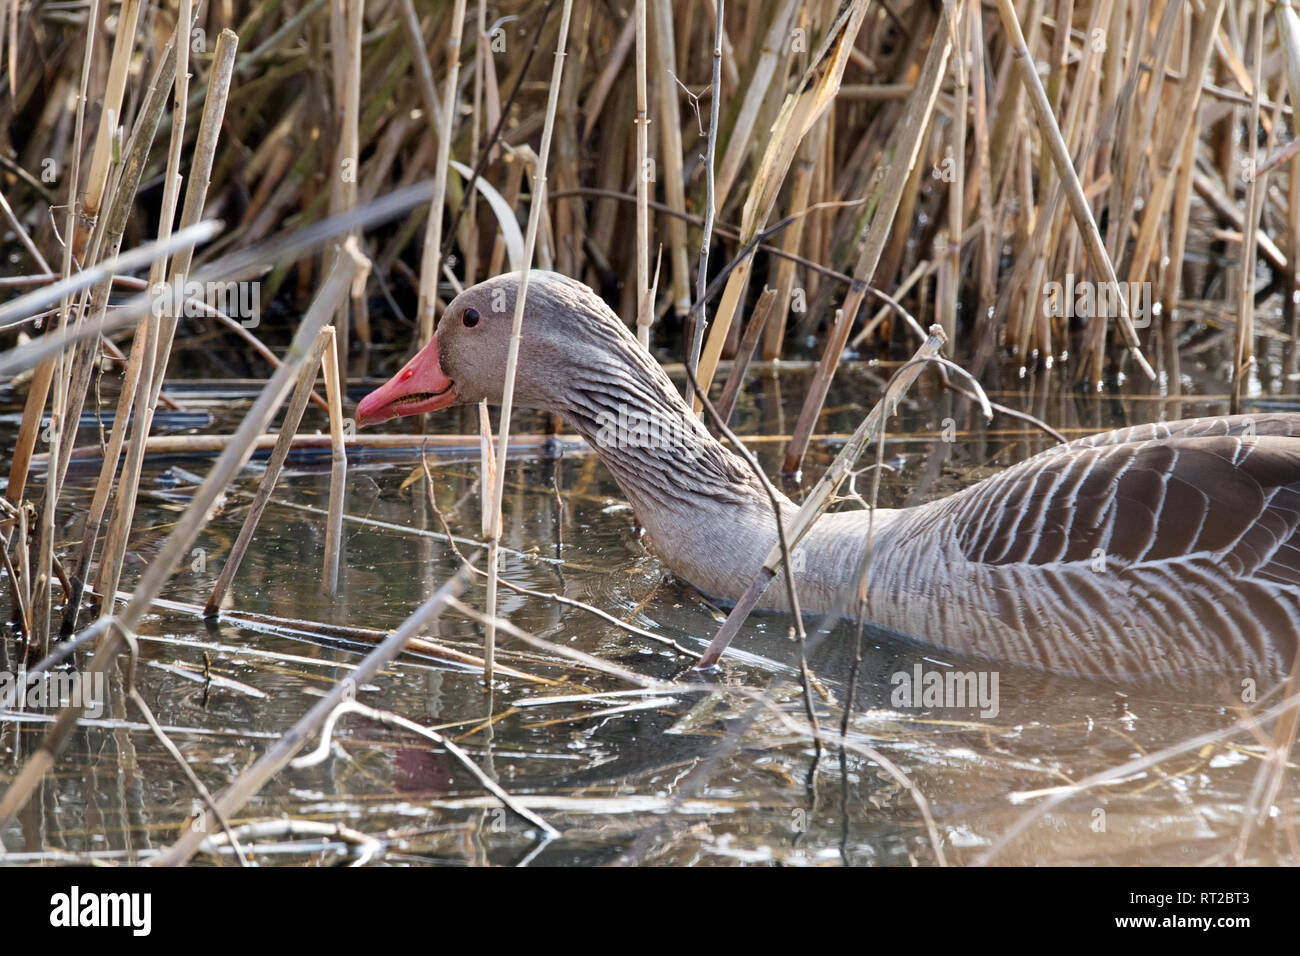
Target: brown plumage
1159	549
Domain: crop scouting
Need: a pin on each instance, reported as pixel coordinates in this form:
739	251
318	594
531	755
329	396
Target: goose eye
470	318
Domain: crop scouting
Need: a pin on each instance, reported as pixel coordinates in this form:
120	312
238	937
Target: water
701	776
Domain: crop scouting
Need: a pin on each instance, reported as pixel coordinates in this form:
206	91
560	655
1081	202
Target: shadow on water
714	772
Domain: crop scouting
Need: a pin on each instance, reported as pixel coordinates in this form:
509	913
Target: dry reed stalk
76	239
1172	291
414	37
38	390
162	327
951	239
128	183
1168	142
97	180
487	466
763	80
805	168
430	262
609	75
820	497
693	350
537	208
164	445
758	320
283	442
108	238
670	123
347	169
1243	347
900	155
338	458
482	59
814	93
644	306
178	543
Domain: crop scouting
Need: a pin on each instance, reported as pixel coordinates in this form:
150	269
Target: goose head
565	326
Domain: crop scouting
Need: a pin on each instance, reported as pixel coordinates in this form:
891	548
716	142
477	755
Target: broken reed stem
128	183
283	442
820	497
430	264
758	319
338	465
38	390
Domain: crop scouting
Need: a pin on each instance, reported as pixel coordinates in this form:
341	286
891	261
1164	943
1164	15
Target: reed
910	151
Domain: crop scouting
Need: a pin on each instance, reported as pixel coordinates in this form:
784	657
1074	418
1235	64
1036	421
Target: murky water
704	775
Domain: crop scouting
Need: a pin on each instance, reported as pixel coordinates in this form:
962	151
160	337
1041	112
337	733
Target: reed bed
1080	187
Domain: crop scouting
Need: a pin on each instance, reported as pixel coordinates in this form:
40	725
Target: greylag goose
1159	549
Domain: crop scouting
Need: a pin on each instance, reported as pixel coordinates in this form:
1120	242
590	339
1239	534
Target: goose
1160	549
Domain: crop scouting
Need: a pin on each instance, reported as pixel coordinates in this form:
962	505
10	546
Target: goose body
1159	549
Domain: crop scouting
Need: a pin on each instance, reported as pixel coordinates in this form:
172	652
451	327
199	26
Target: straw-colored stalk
535	211
338	462
644	307
115	226
670	123
744	132
118	71
482	58
693	351
951	271
430	264
745	353
805	169
283	442
823	493
1245	331
163	327
347	173
1070	180
812	97
73	245
900	154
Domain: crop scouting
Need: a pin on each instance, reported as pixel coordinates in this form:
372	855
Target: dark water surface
697	777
